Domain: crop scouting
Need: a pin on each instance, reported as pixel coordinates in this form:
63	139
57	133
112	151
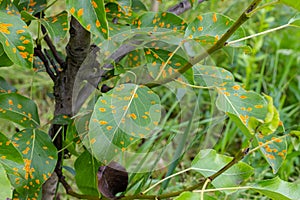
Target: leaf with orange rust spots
274	151
16	40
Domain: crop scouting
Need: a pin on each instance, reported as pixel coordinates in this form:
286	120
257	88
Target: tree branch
182	7
55	54
38	52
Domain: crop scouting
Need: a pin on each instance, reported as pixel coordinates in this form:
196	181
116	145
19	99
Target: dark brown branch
182	7
38	52
51	61
58	59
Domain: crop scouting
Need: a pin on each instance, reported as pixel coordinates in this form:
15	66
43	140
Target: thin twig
51	61
57	57
38	52
258	34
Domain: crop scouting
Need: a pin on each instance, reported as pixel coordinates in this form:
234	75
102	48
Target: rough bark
77	50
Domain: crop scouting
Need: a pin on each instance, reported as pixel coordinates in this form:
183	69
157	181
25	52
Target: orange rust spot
214	18
243	97
249	109
109	128
80	12
102	109
258	106
93	141
200	17
26	42
10	102
103	122
94	4
4	28
88	27
133	116
200	28
98	23
236	87
23	54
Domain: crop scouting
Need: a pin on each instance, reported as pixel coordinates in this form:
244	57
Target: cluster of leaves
127	122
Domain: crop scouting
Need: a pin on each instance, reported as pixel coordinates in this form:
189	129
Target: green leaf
126	114
16	40
19	109
91	15
278	189
11	160
5	192
163	63
193	196
86	168
138	6
275	152
57	26
5	87
9	7
292	3
160	22
40	157
209	162
207	29
211	76
5	61
295	20
32	6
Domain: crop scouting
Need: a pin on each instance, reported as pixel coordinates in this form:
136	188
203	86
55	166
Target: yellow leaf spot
23	54
249	109
88	27
131	138
200	28
125	107
155	123
94	4
20	31
3	157
227	94
113	111
258	106
104	30
136	95
236	87
200	17
103	122
19	106
122	142
102	109
80	12
214	18
14	50
45	177
93	141
109	128
10	102
45	147
6	43
123	149
50	157
145	117
133	116
4	28
37	181
98	24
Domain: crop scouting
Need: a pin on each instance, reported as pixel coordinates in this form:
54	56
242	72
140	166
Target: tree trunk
77	50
